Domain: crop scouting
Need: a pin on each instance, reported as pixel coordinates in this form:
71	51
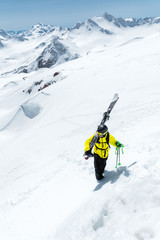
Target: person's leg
99	165
102	165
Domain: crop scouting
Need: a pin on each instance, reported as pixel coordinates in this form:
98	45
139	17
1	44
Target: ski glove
119	145
88	154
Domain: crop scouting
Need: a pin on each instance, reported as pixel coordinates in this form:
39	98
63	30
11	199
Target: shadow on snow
113	176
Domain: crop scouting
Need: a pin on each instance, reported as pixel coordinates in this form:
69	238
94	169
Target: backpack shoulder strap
98	140
107	138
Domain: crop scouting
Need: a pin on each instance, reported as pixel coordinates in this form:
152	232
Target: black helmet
102	128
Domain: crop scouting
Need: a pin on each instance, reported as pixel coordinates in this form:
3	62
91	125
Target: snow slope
48	191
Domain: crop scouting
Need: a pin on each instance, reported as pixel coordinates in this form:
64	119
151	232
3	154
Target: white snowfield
48	190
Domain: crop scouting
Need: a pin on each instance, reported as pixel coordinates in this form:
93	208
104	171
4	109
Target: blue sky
20	14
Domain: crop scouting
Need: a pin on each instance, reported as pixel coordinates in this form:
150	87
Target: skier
101	149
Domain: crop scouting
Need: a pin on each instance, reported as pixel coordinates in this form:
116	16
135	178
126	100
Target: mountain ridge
118	21
55	45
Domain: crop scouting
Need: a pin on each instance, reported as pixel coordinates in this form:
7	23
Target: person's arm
112	140
87	144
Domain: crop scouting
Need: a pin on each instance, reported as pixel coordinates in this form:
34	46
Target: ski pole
117	152
116	158
119	163
122	149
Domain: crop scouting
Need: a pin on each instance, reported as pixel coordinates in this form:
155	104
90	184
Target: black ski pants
99	165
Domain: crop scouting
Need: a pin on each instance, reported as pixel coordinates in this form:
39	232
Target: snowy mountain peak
42	28
108	17
77	26
36	31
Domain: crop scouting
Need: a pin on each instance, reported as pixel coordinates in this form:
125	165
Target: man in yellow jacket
101	149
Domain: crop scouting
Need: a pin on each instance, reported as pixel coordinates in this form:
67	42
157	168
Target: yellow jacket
101	147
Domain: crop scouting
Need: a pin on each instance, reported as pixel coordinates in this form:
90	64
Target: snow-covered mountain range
55	85
53	45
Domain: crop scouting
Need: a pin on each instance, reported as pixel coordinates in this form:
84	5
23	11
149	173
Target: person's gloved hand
88	154
119	145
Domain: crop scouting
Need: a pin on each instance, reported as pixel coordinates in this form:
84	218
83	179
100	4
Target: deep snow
48	190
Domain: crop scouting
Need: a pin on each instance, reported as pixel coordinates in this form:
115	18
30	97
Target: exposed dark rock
24	70
55	74
92	23
45	86
31	88
52	53
108	17
38	82
53	57
41	45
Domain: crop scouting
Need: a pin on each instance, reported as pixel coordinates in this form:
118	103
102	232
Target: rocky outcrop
56	52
